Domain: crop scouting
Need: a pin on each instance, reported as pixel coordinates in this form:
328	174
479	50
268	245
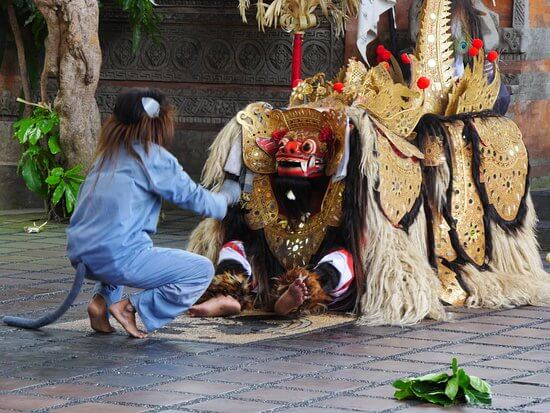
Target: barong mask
299	153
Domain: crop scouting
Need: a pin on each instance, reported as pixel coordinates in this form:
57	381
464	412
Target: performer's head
142	115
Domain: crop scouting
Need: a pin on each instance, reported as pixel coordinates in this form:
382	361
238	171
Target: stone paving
341	370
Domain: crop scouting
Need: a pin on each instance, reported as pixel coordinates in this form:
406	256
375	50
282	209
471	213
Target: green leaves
143	19
65	184
445	390
39	136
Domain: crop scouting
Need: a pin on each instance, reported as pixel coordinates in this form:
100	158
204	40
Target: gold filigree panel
399	176
292	243
434	54
395	105
254	121
261	206
434	153
451	292
473	92
504	164
466	207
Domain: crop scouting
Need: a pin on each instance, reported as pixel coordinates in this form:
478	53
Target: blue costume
117	210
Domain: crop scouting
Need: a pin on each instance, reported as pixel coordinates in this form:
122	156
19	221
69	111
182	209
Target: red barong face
299	153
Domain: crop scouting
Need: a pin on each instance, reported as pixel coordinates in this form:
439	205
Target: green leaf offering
445	389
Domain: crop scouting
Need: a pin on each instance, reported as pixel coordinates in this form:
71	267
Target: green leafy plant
143	18
445	389
39	164
65	184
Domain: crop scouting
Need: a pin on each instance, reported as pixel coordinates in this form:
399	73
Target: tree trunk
22	60
73	55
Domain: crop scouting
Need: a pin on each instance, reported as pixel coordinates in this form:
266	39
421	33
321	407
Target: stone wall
208	62
211	65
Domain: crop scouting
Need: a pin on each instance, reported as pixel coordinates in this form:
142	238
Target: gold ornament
451	292
504	164
473	92
466	207
292	243
254	123
432	147
399	175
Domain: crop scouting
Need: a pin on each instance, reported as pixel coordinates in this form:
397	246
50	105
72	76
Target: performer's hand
231	190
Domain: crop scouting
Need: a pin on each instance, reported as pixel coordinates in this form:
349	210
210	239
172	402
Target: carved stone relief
205	42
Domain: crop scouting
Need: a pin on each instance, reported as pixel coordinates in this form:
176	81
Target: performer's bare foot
292	298
97	312
219	306
125	314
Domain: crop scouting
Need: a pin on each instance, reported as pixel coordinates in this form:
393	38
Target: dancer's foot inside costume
221	305
125	314
97	312
292	298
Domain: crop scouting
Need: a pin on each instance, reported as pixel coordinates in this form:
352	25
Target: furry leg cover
319	299
516	276
237	286
401	286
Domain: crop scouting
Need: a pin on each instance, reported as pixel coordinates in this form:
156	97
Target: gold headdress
398	106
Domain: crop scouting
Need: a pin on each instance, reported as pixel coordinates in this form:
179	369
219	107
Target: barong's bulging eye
309	146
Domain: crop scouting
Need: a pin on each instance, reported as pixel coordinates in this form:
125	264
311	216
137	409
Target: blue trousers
173	280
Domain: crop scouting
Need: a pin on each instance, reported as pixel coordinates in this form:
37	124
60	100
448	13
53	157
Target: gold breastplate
293	244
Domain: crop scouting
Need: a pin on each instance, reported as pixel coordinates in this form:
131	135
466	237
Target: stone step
541	199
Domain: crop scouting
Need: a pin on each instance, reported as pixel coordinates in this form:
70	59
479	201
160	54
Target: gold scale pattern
399	176
504	164
466	207
292	243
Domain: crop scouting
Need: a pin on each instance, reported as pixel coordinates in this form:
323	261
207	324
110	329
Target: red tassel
492	56
423	82
297	58
473	51
477	43
405	58
338	87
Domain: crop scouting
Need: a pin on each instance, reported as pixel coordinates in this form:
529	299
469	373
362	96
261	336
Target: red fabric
297	58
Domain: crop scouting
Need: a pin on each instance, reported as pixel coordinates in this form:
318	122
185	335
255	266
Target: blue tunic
110	231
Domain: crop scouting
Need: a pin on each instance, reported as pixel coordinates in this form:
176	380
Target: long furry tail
54	315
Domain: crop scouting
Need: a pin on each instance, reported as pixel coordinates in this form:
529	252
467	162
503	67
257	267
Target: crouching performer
286	248
118	208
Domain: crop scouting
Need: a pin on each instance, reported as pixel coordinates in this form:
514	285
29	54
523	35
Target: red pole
296	59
